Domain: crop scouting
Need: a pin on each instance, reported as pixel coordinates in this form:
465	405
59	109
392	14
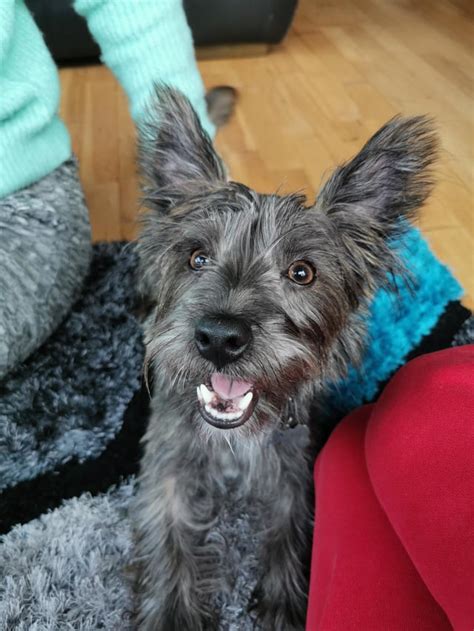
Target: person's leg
420	458
361	576
144	43
45	235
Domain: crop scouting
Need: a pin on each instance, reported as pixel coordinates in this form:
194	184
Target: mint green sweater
142	42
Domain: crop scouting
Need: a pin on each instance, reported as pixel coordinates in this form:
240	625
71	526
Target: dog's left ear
173	148
369	199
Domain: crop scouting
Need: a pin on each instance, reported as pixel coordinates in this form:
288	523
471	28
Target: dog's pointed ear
173	147
368	199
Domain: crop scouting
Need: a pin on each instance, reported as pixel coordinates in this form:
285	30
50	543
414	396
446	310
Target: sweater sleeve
144	42
33	139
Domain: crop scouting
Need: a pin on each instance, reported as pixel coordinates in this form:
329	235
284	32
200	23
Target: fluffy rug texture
465	335
67	569
84	376
70	421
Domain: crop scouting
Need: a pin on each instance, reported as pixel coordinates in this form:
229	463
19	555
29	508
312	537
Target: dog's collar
289	422
297	435
291	417
290	428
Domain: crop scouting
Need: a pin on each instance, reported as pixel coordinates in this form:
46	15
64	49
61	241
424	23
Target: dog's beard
243	398
238	407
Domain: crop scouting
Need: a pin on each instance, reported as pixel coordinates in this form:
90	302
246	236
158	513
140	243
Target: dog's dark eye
198	260
301	272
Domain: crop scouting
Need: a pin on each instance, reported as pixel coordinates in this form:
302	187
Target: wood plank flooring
343	70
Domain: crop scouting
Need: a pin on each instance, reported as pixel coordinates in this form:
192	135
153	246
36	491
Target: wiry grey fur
301	336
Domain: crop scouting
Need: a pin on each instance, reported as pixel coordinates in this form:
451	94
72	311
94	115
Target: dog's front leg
282	592
173	514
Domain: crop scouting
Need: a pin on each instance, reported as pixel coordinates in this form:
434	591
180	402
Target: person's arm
145	42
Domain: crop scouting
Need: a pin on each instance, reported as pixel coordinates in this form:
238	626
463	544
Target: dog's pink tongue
228	388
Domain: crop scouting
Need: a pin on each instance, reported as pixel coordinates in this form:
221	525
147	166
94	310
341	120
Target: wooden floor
345	68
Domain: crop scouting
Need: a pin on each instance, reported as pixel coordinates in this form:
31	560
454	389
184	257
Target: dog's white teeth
205	394
244	401
223	410
222	416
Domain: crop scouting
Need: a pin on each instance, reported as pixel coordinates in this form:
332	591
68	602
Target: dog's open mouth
226	403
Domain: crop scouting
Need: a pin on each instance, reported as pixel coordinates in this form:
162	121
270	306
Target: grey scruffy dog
258	300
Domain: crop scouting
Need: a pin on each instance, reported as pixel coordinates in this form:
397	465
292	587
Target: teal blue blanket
397	322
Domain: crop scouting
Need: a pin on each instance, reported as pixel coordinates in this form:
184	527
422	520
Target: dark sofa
213	22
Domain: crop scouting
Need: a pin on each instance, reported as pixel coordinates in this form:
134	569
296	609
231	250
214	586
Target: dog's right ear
369	199
174	150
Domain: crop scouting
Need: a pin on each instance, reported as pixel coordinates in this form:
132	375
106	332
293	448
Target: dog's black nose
222	339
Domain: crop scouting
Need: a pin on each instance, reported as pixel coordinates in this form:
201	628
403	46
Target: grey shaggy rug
64	570
68	568
85	375
465	335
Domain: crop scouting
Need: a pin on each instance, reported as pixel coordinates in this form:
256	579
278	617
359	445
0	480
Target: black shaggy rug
70	422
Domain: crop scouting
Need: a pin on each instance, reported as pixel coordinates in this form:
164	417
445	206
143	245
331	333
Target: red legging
394	530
